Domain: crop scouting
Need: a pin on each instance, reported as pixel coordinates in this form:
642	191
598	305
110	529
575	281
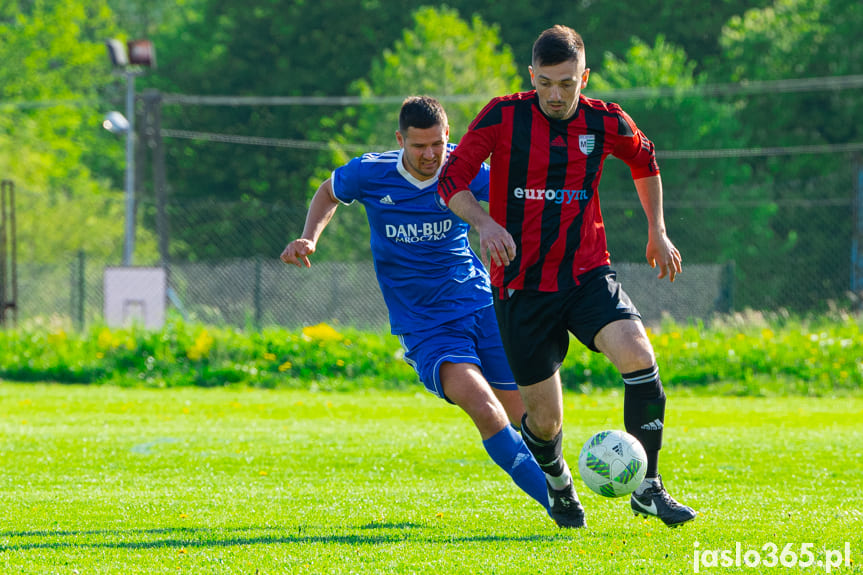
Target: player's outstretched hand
495	243
662	253
298	251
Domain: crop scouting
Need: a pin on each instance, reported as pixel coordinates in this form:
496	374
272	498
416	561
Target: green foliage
741	354
798	39
268	49
609	27
55	87
443	56
328	48
745	354
144	19
713	192
680	121
51	143
193	354
141	481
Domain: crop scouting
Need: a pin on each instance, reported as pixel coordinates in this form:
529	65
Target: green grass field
103	479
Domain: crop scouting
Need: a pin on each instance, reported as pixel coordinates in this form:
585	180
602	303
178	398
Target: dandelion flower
105	339
321	332
56	337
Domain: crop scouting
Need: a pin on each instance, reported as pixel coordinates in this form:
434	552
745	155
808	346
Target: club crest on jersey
441	203
586	143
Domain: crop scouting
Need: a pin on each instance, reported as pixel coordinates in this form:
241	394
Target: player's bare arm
494	241
321	210
660	251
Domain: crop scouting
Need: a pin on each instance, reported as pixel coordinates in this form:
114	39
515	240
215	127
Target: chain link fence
800	259
259	293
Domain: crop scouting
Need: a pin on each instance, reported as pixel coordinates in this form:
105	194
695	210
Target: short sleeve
480	184
634	148
347	181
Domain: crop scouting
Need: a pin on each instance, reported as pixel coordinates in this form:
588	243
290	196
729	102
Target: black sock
549	454
644	412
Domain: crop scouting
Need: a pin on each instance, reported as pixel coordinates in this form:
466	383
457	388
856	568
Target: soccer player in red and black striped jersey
545	239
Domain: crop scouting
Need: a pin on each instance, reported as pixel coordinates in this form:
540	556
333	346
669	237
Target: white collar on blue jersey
421	184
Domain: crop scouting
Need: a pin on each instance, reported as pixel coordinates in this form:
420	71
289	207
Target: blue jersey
425	266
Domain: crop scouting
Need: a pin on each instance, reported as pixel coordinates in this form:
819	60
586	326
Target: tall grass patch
744	354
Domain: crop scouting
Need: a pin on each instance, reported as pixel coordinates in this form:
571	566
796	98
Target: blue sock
508	450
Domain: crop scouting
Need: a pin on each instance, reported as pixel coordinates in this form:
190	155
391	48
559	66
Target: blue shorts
473	338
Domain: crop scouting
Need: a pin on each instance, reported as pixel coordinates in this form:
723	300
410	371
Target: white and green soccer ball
612	463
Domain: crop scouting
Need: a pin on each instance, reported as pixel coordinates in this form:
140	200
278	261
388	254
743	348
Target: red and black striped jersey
544	180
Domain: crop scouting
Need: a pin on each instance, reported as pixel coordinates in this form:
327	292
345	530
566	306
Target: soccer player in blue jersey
435	287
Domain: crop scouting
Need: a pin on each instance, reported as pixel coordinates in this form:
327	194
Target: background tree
611	26
232	200
443	56
701	194
229	200
800	39
226	47
796	39
695	27
54	68
145	18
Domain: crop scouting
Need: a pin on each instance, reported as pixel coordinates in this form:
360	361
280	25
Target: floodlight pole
129	57
129	243
857	239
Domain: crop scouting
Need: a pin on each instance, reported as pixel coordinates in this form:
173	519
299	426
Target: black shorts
535	326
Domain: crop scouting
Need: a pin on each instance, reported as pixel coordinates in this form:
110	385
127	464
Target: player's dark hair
421	112
556	45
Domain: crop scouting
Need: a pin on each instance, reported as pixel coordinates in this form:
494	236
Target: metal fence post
8	253
3	249
256	294
82	287
153	133
725	301
77	287
857	239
